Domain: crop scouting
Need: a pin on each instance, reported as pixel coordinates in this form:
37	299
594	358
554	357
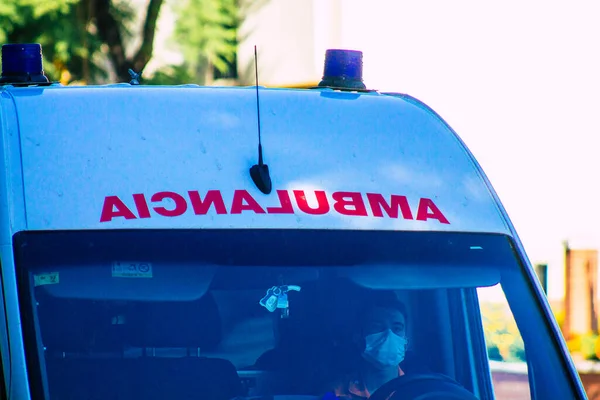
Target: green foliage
68	30
588	346
170	75
560	318
502	337
206	33
18	13
32	21
493	350
574	344
72	49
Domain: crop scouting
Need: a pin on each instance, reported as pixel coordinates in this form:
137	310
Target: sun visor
421	276
141	281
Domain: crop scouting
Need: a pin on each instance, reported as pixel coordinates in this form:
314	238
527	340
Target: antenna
260	158
260	172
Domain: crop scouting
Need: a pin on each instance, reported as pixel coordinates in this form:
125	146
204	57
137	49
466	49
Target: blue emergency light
343	70
22	63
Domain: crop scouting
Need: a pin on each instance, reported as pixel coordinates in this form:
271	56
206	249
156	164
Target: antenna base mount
261	177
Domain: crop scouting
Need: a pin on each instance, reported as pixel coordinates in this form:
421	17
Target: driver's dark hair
381	299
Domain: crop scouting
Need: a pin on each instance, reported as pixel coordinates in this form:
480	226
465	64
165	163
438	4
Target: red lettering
113	207
345	203
212	197
354	200
322	203
286	204
376	201
241	196
141	205
423	213
180	204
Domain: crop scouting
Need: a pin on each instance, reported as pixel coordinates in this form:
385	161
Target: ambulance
220	243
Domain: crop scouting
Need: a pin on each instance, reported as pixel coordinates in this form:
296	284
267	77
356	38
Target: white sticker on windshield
49	278
121	269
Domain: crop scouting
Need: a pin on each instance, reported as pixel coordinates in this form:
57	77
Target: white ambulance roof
86	151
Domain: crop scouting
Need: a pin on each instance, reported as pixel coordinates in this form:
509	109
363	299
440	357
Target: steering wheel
422	387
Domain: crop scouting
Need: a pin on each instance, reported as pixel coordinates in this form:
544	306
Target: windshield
224	314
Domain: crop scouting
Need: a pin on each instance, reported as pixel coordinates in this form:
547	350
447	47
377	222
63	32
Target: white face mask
385	349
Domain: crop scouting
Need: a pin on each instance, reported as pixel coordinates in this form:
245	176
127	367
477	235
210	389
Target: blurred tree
588	346
82	39
206	34
110	23
503	340
207	30
26	21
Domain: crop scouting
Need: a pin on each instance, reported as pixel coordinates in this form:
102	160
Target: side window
505	348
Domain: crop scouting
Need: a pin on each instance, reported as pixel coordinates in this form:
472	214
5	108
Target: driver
379	348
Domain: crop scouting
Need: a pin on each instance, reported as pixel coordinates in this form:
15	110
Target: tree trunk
84	10
110	33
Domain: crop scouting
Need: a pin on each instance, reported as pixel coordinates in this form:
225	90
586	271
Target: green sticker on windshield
49	278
